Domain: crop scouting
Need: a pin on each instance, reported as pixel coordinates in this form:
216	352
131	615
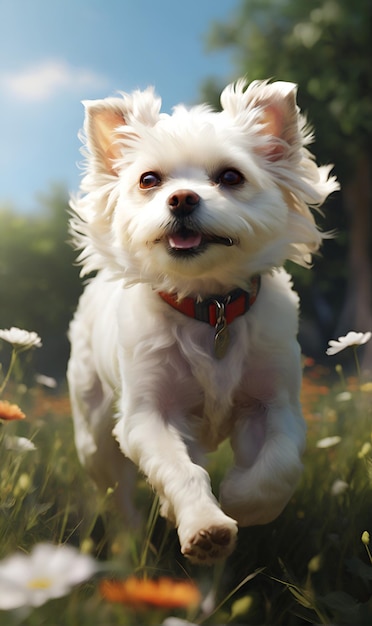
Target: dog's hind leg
98	451
268	465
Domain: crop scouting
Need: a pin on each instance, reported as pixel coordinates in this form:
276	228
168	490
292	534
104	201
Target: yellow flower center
39	583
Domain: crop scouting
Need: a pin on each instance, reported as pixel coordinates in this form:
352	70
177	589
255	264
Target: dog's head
199	201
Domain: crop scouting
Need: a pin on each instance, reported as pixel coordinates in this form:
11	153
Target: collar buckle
221	304
222	333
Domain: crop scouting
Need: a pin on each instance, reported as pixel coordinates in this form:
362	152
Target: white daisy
19	444
339	487
176	621
344	396
21	339
47	572
47	381
328	442
351	339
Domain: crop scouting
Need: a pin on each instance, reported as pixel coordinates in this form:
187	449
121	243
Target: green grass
310	566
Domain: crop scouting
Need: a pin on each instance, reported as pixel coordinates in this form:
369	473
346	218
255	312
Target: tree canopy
39	284
325	47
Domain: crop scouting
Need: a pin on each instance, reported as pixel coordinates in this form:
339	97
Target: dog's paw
211	544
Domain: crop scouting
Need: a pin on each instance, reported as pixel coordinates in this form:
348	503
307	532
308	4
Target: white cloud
42	81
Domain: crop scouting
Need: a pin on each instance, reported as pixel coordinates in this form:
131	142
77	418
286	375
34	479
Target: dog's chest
216	381
172	361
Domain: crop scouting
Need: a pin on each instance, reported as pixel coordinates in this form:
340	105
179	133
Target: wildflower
21	339
308	361
19	444
344	396
328	442
23	486
47	381
315	564
47	572
365	538
366	387
365	450
9	412
241	607
87	546
164	592
339	487
351	339
175	621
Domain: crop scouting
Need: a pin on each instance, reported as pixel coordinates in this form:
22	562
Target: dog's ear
280	117
103	120
108	121
272	106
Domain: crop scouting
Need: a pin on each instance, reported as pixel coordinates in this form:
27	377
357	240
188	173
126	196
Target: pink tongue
184	243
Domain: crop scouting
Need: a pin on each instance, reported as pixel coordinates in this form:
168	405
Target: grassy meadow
311	566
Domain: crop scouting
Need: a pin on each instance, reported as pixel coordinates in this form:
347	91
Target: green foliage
39	285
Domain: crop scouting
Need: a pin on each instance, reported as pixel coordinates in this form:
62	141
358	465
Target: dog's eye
230	178
149	180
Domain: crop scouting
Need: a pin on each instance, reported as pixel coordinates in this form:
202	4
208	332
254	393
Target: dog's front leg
149	440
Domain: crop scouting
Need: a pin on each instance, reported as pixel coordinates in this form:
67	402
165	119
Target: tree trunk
357	311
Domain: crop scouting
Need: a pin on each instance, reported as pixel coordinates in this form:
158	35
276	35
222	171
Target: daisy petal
21	339
328	442
351	339
47	572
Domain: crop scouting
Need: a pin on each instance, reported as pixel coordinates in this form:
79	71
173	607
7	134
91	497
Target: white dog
187	334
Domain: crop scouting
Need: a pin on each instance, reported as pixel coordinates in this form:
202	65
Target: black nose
183	202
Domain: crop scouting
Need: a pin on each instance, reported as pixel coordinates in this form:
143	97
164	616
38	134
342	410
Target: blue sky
55	53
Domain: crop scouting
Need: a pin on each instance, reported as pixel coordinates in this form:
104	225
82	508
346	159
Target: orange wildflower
10	412
164	592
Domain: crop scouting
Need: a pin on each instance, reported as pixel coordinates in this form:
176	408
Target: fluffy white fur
146	388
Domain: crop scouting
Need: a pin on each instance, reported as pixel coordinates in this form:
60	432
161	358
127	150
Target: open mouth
185	242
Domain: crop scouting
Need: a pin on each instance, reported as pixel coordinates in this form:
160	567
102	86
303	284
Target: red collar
215	309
